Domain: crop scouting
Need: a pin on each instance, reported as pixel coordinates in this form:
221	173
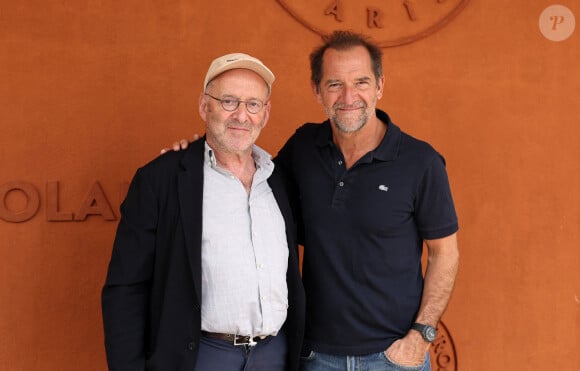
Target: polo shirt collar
324	135
387	149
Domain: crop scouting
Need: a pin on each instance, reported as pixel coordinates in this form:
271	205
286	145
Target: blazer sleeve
125	295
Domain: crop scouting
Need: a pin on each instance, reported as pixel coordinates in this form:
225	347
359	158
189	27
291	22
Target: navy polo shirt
363	232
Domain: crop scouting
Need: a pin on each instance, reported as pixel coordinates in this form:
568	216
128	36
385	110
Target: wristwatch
429	332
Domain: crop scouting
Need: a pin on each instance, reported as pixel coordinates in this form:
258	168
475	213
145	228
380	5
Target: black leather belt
235	339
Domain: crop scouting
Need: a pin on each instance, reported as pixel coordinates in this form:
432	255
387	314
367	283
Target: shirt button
340	162
341	183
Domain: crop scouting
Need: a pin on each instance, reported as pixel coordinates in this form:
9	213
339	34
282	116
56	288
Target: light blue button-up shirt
244	252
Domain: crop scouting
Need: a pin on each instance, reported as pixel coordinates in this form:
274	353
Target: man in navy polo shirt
370	196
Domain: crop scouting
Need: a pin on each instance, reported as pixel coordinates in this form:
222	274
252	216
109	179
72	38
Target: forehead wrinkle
356	79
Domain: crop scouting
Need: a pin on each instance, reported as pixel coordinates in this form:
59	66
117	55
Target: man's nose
349	94
241	112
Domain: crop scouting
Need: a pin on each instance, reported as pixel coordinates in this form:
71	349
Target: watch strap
428	332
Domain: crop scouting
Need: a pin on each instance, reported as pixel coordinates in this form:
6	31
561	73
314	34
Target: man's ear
202	106
267	113
380	87
316	91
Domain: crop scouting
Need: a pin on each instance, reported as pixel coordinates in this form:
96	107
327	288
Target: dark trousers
268	355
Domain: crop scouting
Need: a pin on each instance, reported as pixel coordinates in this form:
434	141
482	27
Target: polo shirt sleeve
434	209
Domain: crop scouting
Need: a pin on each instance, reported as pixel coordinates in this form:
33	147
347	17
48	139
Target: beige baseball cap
238	60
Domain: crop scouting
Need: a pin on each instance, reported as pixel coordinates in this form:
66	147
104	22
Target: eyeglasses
231	104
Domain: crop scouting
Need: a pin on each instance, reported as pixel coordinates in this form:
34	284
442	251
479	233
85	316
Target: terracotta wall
90	90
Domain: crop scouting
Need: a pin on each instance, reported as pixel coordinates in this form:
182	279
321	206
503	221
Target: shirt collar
388	149
262	159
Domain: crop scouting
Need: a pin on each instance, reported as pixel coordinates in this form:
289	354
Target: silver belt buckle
250	343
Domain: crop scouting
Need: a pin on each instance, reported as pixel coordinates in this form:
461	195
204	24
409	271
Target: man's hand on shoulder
179	145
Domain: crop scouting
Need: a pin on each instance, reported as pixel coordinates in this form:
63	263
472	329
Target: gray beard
345	128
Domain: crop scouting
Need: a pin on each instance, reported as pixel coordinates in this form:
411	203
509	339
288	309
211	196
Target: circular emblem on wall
442	352
389	23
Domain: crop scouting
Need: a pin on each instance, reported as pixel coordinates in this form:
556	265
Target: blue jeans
370	362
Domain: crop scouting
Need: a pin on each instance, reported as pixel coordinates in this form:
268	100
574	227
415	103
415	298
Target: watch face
430	333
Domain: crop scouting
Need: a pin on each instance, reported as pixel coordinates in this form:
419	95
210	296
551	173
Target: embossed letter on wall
442	352
390	23
20	201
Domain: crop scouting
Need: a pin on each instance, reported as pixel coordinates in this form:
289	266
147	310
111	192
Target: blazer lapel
190	196
281	196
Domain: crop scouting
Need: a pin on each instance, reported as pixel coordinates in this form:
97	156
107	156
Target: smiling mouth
239	128
349	108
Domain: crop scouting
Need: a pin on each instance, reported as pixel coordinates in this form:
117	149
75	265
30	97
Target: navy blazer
151	300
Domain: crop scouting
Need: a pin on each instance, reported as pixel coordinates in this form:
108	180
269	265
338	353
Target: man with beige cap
371	198
204	270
